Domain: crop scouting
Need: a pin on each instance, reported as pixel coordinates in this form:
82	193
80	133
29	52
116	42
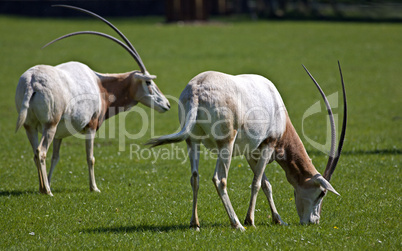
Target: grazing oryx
68	98
245	115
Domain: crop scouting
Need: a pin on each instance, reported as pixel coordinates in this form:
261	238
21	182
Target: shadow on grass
366	152
374	152
17	193
68	190
169	228
139	228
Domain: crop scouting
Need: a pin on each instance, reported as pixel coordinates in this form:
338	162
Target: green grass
148	205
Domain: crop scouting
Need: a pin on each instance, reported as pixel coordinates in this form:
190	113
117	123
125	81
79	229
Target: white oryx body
245	115
59	101
69	92
71	98
255	115
73	95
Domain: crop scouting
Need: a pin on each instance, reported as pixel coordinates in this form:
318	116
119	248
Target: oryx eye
322	194
149	87
148	82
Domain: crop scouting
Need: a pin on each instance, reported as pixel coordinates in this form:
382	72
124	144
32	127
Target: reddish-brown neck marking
293	158
118	92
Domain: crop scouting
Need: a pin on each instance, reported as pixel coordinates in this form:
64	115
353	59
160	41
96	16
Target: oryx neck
293	158
117	91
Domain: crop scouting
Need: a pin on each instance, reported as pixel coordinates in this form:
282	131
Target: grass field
145	202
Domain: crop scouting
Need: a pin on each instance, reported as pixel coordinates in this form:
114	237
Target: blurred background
203	10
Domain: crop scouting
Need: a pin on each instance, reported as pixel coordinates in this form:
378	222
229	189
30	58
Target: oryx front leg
220	182
267	188
89	143
194	155
258	168
265	185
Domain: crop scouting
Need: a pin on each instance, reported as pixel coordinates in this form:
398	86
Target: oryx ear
325	184
143	76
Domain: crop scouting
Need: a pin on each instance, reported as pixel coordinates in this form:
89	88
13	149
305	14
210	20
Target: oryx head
148	92
310	193
308	198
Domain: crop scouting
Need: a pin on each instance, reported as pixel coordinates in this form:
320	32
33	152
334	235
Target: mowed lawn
146	198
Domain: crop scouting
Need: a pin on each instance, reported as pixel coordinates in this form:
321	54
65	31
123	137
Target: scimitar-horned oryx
245	115
59	101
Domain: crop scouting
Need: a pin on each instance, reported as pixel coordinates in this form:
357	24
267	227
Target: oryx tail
23	112
189	121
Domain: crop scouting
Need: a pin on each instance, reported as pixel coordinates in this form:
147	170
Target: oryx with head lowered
245	115
70	98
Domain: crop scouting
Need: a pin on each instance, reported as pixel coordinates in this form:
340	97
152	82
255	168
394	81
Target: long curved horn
329	171
331	120
333	156
130	46
102	19
139	62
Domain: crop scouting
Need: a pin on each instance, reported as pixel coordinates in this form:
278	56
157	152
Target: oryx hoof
95	189
46	192
196	227
280	222
249	222
239	227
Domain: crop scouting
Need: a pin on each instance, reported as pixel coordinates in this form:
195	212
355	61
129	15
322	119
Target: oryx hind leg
220	181
55	158
32	135
89	145
40	151
194	156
